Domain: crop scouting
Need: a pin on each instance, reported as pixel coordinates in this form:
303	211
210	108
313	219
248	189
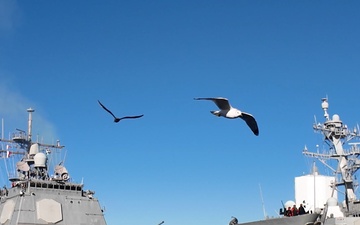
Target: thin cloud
13	111
9	13
13	106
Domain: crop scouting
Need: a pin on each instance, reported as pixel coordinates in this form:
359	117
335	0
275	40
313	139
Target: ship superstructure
319	193
37	197
337	137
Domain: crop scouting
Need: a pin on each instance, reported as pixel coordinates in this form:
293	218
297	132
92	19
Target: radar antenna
325	107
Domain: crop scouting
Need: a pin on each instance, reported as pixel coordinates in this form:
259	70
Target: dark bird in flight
227	111
116	119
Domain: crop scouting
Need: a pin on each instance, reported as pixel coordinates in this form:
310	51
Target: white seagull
227	111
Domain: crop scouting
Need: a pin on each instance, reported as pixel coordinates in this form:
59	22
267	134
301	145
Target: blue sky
178	163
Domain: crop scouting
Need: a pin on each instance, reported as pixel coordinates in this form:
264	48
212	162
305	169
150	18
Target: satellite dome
289	204
332	202
336	118
23	166
40	160
62	172
34	148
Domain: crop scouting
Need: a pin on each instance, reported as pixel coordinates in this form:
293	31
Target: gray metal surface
36	197
294	220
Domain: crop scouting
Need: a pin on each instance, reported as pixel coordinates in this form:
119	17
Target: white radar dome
289	204
23	166
336	118
40	160
34	148
332	202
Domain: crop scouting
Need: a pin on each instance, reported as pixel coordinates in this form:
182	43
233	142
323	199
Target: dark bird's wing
107	109
251	122
130	117
222	103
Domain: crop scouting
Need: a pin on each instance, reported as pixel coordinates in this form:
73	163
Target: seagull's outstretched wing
107	109
251	122
222	103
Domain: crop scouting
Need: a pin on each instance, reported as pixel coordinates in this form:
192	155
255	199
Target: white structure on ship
313	190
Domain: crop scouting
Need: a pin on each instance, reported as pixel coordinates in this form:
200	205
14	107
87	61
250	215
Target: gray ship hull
306	219
342	221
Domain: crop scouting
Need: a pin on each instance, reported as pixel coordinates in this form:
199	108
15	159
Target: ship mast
30	111
33	164
336	135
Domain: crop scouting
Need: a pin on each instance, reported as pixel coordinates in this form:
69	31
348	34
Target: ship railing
342	132
57	186
354	150
317	155
19	136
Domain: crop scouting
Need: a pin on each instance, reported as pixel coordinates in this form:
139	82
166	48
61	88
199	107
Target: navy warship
341	150
38	194
319	193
